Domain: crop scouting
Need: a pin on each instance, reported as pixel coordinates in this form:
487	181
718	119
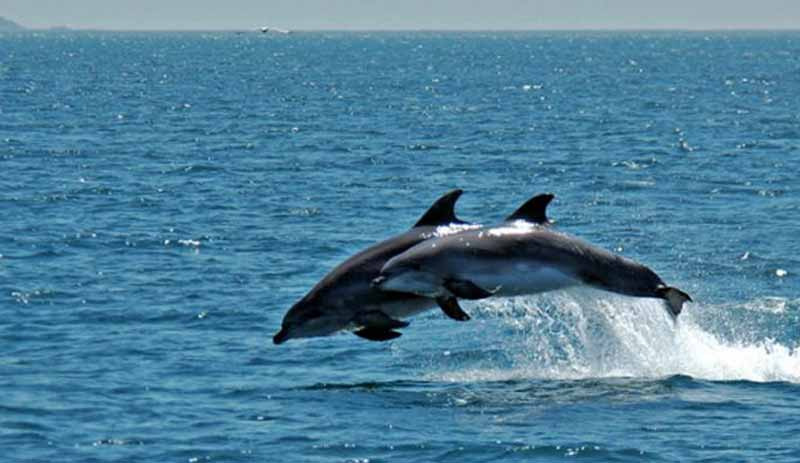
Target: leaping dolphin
521	256
344	298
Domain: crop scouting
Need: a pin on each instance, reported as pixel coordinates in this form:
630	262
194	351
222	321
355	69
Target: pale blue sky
405	14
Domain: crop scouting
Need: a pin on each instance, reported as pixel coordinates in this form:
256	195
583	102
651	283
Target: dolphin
523	255
344	298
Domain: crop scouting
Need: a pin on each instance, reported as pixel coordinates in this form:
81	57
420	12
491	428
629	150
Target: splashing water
584	333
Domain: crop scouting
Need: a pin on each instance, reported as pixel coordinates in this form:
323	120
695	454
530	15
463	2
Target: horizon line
63	28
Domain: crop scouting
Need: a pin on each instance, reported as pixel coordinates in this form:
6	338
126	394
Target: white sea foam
517	227
590	334
453	228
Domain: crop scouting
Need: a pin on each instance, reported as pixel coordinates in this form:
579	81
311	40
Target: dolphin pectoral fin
376	319
377	334
377	326
675	299
466	289
450	307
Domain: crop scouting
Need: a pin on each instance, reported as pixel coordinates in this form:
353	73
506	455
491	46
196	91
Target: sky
403	14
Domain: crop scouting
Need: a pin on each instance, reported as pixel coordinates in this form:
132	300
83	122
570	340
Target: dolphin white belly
522	278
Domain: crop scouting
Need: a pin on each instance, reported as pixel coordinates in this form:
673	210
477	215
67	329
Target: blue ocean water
166	197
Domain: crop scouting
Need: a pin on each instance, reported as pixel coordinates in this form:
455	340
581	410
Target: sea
165	197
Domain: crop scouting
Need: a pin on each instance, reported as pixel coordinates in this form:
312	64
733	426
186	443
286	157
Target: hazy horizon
443	15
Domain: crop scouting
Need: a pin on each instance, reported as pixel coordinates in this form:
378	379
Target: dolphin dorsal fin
534	209
441	212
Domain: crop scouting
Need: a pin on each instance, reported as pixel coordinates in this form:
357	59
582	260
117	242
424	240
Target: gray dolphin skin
521	256
344	298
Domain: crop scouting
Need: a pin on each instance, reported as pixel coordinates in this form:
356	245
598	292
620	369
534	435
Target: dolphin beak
281	337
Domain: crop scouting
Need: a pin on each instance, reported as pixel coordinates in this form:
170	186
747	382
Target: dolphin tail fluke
450	307
675	299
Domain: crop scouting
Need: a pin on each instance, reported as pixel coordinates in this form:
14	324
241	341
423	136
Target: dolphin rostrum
521	256
345	299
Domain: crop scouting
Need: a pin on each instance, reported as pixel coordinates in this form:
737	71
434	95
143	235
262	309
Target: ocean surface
166	197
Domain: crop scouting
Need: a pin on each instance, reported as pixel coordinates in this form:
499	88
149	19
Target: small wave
40	295
422	147
516	451
25	426
195	169
116	442
588	334
46	254
576	450
304	211
189	243
367	386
